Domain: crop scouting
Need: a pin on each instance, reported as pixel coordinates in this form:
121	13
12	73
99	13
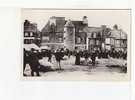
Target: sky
95	18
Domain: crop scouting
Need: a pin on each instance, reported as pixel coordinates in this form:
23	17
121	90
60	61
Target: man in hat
59	57
33	62
25	60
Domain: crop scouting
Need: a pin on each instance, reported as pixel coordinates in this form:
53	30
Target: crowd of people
99	54
33	56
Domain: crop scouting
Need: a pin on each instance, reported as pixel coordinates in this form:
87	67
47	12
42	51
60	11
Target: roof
60	22
45	29
92	29
78	23
118	34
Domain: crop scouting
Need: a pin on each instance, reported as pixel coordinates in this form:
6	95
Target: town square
72	49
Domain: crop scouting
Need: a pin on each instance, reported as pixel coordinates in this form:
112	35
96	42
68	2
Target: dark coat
33	61
77	60
59	56
26	57
86	55
93	56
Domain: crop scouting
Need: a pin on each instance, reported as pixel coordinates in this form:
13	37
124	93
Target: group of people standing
100	54
86	55
33	56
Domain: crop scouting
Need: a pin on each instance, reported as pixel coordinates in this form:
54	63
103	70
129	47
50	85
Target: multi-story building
54	31
59	32
117	39
94	38
31	33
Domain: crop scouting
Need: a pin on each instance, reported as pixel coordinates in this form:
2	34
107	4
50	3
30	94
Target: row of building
59	32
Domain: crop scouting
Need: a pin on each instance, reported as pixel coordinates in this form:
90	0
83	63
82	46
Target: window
26	34
78	40
31	33
117	43
91	42
59	39
94	35
26	41
45	39
31	40
97	42
107	40
112	41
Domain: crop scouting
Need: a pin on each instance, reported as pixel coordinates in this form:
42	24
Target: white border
13	89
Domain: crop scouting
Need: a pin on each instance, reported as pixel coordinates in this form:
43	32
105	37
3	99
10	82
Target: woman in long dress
77	60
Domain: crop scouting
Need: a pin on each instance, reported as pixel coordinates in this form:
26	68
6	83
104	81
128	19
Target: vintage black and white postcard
76	44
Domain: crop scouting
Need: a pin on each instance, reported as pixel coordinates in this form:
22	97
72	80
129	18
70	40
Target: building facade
53	32
59	33
31	33
116	40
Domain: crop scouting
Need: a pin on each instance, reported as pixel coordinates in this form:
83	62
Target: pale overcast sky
95	17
